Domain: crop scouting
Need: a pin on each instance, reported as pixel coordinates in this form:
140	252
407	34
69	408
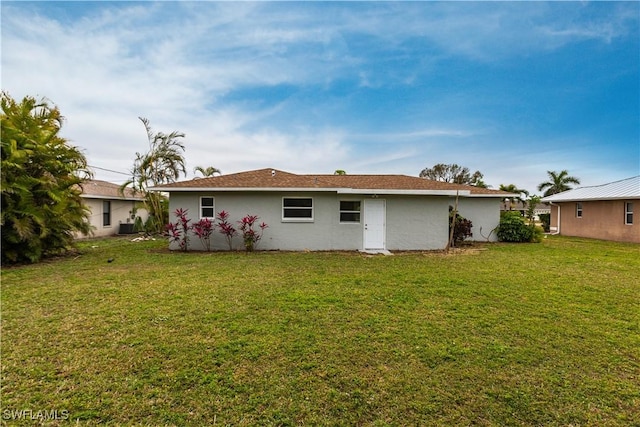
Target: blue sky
512	89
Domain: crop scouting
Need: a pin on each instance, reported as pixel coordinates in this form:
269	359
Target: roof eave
407	192
372	191
231	189
550	199
495	195
131	199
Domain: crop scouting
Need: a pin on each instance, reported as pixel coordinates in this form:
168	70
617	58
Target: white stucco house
337	212
112	212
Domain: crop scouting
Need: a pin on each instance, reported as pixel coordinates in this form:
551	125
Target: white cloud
175	63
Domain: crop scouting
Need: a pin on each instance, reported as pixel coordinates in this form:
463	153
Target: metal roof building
624	189
608	211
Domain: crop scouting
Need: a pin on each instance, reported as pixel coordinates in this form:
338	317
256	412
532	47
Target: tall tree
453	173
163	163
41	182
558	182
208	171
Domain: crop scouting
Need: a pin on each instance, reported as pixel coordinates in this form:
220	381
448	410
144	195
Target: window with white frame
628	213
579	210
349	211
207	207
297	209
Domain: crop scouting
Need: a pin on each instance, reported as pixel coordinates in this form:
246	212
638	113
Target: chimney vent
273	172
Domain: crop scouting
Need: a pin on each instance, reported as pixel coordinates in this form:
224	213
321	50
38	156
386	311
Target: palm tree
558	182
511	188
41	176
208	171
162	164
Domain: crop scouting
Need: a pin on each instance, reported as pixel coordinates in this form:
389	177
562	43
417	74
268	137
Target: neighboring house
337	212
607	211
517	205
112	212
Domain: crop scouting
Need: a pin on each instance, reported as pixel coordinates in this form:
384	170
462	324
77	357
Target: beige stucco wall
600	220
120	213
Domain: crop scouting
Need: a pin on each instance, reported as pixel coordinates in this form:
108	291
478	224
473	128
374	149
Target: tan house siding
122	207
121	212
601	219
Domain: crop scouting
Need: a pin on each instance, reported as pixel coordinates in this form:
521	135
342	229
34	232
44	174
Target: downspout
558	228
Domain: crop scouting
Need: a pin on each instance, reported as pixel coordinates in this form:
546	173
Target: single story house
112	211
337	212
601	212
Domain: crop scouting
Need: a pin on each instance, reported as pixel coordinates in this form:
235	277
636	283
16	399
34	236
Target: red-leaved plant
226	228
250	236
179	231
203	229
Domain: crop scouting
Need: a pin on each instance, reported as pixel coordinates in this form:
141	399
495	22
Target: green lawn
523	335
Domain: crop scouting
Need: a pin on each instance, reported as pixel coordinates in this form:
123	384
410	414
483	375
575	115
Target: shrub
226	228
537	234
512	228
203	229
545	219
138	225
42	175
179	230
250	236
461	229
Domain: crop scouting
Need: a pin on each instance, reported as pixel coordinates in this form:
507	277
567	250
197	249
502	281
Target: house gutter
126	199
558	228
402	192
377	191
232	189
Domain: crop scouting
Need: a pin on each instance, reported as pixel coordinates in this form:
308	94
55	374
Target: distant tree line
557	181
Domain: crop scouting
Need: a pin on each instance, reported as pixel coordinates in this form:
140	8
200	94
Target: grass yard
505	335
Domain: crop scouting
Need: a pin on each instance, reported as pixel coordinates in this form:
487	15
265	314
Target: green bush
537	233
545	219
512	228
41	176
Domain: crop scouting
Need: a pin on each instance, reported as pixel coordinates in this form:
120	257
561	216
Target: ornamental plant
512	228
203	229
226	228
461	228
41	178
250	235
179	231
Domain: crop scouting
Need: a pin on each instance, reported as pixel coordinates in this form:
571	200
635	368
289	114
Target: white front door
374	224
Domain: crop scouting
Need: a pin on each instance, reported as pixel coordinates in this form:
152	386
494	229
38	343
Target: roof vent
273	172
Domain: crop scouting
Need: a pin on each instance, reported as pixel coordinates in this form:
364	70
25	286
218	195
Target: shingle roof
96	189
624	189
273	179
